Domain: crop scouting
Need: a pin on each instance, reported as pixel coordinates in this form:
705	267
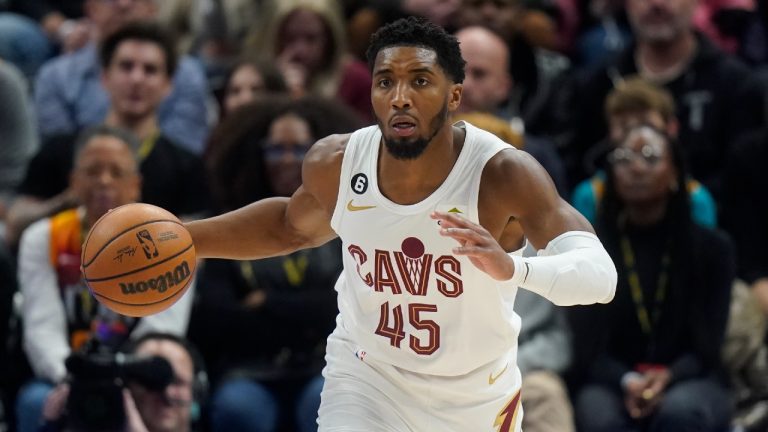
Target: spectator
31	31
745	215
735	26
17	127
210	30
59	315
145	409
369	15
657	363
635	102
137	62
606	33
718	98
268	378
247	80
511	19
172	410
487	86
543	355
306	39
535	69
8	287
488	83
70	96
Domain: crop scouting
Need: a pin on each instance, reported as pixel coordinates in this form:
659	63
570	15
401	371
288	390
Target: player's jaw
405	139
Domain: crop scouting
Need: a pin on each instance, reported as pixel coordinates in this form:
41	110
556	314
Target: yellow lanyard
147	145
294	266
647	320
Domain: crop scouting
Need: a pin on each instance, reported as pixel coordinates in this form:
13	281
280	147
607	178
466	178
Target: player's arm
278	226
572	266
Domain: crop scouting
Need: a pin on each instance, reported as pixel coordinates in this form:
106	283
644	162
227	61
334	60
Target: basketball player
426	336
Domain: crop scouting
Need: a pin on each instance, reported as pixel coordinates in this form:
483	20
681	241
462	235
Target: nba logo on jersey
360	354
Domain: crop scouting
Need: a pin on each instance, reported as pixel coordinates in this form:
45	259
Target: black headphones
200	375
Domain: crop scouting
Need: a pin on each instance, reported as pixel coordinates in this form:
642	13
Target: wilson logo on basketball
160	283
147	244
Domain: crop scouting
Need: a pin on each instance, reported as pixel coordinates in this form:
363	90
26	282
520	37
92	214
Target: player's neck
411	181
142	127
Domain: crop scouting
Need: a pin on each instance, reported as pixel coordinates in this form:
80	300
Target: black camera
95	401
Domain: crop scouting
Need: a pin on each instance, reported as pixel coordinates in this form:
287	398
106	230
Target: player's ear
454	96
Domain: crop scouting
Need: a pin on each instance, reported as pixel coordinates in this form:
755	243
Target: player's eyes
383	83
421	82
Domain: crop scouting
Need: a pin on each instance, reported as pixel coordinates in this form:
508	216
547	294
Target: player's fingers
454	220
464	234
471	250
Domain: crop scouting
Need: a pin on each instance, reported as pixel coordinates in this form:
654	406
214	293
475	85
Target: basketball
138	259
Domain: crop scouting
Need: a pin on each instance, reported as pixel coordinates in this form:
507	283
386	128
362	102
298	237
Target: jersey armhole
344	179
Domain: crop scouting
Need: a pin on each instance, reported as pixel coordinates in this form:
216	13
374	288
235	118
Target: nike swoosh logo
352	207
492	379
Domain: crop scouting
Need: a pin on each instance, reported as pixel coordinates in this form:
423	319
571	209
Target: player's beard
412	148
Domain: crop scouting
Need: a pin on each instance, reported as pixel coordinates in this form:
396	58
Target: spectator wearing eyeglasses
634	102
651	358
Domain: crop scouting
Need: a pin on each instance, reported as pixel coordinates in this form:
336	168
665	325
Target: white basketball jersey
403	296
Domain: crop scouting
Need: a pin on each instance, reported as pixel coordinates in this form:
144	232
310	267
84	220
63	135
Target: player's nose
401	96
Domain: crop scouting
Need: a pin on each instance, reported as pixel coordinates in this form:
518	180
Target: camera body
95	401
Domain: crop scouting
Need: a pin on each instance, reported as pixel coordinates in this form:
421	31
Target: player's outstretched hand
477	244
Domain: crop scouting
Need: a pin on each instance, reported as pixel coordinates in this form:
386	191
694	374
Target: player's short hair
418	32
144	31
635	95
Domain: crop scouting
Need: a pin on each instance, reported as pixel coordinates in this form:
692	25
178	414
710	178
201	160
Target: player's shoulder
327	152
511	166
322	164
516	175
330	146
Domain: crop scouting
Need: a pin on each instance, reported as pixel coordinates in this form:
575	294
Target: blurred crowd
649	115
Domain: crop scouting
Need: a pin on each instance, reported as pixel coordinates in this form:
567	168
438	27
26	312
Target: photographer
154	382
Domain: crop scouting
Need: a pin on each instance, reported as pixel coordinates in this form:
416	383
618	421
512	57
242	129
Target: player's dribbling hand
477	244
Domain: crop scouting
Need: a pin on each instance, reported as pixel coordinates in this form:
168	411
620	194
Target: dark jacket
688	336
745	209
37	9
172	178
718	99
